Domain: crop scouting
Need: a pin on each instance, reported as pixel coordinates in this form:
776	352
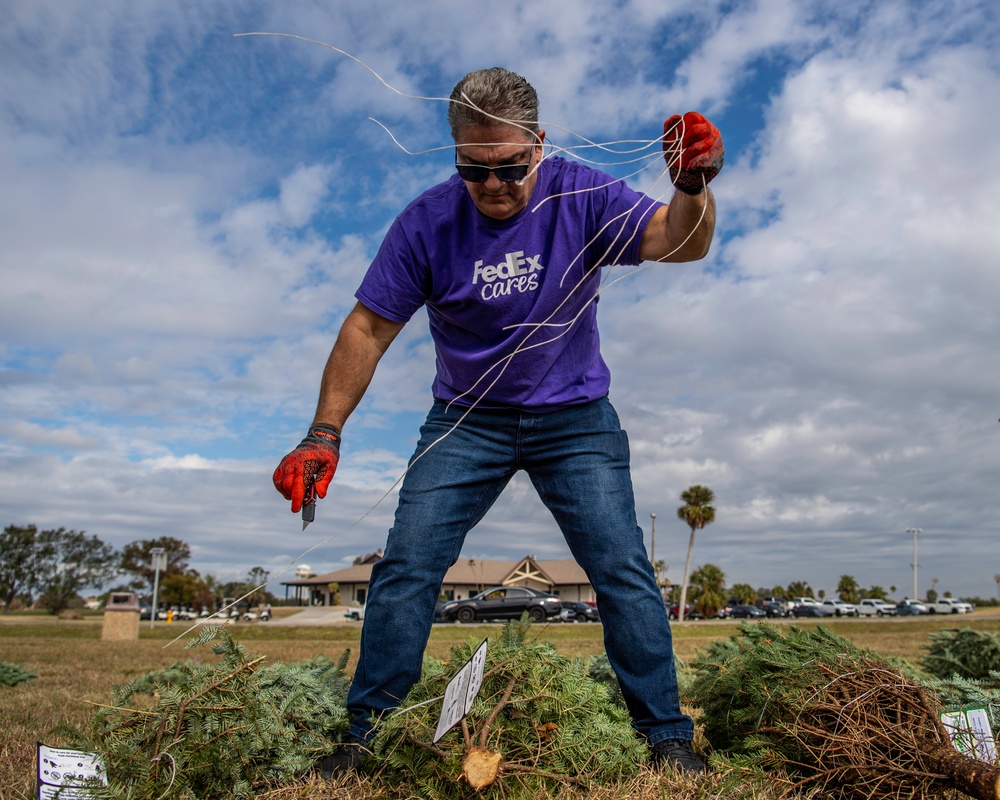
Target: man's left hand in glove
693	149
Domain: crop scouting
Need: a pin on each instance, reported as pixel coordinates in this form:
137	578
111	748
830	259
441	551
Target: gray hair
490	97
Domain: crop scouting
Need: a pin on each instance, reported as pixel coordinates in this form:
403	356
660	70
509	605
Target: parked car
949	605
724	613
439	609
910	608
747	612
838	608
773	609
808	610
873	607
805	601
689	611
785	604
573	611
503	602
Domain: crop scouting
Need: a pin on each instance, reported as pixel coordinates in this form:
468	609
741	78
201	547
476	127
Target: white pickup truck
949	605
872	607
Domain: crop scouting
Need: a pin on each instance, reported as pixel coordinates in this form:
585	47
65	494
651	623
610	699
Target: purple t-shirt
512	303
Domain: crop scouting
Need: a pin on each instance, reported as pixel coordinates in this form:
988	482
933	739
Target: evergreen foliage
223	730
964	653
811	710
957	693
960	692
12	675
965	665
600	670
551	724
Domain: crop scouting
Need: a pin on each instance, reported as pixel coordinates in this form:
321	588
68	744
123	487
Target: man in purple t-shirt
506	256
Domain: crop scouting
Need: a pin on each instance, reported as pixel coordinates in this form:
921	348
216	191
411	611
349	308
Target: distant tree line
51	567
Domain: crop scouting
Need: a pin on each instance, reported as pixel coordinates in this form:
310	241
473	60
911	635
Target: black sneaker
679	754
346	758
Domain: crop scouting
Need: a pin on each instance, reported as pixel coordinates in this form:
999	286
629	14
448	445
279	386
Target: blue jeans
578	461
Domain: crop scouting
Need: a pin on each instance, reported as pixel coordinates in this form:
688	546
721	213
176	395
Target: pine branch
497	709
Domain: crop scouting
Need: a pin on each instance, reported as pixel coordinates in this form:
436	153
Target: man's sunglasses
509	173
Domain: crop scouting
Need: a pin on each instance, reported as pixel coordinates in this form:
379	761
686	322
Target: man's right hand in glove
313	462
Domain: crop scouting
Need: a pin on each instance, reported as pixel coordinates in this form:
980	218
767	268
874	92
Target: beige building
562	577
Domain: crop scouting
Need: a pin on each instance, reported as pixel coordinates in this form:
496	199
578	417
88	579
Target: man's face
497	146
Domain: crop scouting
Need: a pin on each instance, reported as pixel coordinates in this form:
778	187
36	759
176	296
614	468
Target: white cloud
27	434
302	192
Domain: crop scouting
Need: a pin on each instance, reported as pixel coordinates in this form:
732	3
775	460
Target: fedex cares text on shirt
516	273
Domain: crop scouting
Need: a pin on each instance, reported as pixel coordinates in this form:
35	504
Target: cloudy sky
186	214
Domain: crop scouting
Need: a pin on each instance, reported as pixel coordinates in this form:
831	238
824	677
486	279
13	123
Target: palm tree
697	512
799	589
875	591
708	587
848	589
742	592
660	570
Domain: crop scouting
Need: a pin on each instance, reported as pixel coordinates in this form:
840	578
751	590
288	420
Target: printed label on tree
65	772
958	730
982	736
461	692
971	733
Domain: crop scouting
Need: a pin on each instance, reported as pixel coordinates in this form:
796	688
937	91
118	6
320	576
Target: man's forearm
691	224
363	339
680	231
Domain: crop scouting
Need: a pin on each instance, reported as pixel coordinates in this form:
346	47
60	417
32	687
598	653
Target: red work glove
313	462
692	147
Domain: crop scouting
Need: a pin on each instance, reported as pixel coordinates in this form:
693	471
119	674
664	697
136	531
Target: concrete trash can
121	617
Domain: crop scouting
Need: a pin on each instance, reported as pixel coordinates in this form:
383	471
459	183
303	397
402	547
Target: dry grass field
76	670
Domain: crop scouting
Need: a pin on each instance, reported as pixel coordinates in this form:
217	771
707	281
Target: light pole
914	531
159	561
652	551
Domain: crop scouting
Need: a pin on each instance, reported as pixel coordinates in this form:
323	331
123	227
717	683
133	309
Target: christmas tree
539	723
808	708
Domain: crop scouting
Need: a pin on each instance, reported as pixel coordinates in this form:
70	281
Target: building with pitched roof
562	577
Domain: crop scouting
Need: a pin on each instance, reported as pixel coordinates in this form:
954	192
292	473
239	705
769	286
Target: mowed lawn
76	670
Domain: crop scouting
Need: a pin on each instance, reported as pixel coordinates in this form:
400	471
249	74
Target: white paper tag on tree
461	692
970	733
982	736
66	772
